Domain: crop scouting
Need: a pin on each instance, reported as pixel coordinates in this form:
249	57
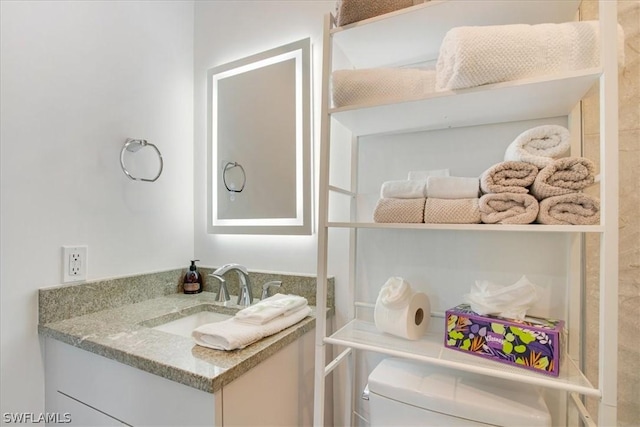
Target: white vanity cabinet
366	144
96	391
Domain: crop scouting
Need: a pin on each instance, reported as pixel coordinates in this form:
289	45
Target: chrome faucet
223	292
269	285
245	298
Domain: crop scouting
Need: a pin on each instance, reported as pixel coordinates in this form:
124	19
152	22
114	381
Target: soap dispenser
193	279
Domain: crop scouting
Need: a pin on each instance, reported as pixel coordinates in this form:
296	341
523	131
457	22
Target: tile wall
629	219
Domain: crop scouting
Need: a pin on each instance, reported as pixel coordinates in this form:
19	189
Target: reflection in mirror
259	143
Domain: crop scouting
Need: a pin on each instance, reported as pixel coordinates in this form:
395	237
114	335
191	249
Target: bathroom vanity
121	366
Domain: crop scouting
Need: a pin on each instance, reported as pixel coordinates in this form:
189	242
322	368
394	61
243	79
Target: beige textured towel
452	211
508	208
563	176
399	210
380	85
474	56
349	11
570	209
508	177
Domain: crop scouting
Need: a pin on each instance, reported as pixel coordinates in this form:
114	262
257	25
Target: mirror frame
302	223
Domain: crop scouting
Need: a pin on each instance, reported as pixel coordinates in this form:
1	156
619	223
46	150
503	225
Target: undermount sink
185	325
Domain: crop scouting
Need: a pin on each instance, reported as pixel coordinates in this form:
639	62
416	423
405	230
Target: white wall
78	78
224	32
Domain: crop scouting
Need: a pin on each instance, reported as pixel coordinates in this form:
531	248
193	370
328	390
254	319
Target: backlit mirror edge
258	226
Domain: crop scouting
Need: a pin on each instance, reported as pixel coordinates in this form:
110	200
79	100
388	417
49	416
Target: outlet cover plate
74	263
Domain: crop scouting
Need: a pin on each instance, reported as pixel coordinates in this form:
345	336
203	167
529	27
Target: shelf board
535	228
414	34
527	99
430	349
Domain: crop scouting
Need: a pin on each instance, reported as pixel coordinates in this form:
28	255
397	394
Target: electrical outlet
74	263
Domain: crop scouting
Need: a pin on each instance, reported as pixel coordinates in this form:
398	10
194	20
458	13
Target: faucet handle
223	292
267	286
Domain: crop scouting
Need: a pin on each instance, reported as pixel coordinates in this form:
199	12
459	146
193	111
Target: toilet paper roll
410	322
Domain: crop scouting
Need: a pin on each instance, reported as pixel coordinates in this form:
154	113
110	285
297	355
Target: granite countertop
125	334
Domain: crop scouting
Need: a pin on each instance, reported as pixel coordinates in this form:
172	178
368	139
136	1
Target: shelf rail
609	156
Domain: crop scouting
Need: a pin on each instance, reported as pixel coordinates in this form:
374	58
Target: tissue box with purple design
532	343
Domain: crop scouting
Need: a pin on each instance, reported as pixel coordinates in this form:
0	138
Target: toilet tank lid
461	394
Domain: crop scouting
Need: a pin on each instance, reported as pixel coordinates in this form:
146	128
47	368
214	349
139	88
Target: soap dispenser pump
192	280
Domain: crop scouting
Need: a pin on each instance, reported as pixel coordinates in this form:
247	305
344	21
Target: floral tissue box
533	343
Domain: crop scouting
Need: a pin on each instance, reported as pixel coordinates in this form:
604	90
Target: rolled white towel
234	334
395	293
539	145
270	308
423	175
474	56
453	187
403	189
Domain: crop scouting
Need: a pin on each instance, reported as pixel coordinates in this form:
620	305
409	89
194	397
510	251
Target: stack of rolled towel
505	197
533	184
532	165
429	197
559	187
253	323
505	186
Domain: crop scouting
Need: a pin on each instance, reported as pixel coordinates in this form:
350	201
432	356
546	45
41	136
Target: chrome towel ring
230	165
133	145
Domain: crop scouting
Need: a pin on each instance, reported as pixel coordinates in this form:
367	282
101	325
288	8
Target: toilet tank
408	393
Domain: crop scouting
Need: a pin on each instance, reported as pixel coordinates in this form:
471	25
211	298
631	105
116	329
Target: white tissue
400	311
507	301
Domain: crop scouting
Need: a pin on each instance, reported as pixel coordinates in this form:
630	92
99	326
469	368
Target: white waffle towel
234	334
403	189
270	308
474	56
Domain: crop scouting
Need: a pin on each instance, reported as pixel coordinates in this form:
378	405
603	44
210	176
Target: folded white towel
395	293
270	308
423	175
539	145
234	334
474	56
381	85
452	187
403	189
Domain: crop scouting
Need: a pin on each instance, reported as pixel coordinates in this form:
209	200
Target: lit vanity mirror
259	143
